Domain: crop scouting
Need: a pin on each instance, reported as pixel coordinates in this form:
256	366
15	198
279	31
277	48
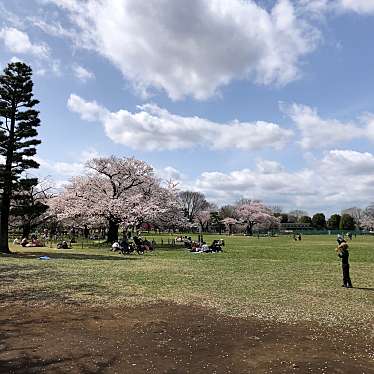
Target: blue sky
271	100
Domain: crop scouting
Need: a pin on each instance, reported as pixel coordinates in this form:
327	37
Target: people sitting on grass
116	247
148	246
34	242
24	242
124	245
195	247
216	246
139	245
203	247
187	242
63	245
137	240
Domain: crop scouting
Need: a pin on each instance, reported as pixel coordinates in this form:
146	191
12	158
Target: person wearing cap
343	253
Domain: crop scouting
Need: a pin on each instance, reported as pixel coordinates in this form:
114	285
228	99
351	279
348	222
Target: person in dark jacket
343	253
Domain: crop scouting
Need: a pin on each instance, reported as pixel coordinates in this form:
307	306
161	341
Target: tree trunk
249	230
7	189
4	222
201	234
112	232
26	229
86	232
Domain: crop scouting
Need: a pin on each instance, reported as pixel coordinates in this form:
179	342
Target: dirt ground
167	338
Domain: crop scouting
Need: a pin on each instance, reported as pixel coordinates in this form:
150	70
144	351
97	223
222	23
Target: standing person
343	253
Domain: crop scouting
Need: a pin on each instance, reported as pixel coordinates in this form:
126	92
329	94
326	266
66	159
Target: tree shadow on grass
13	272
50	296
364	288
71	256
31	280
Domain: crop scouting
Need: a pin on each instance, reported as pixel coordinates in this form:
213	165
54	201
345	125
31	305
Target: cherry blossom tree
168	213
171	218
117	191
202	218
367	218
161	207
367	222
253	213
229	222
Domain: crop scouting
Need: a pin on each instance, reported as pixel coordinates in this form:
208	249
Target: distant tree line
349	219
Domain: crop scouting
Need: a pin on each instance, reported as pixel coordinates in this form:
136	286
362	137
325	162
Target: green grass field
270	278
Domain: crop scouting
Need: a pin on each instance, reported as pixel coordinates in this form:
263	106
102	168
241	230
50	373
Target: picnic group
201	246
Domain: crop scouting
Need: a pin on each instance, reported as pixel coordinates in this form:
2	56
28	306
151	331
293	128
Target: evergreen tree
18	122
28	205
334	222
284	218
347	222
319	221
305	220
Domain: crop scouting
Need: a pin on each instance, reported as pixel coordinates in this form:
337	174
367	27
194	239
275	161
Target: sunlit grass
273	278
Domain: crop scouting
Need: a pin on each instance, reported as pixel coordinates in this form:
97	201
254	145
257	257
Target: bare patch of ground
168	338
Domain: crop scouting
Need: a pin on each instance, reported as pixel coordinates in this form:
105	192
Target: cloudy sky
266	99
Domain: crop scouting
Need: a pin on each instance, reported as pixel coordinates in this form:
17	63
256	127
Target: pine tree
28	205
18	123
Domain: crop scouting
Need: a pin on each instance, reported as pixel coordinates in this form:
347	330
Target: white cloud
16	59
36	55
170	173
348	162
89	111
18	41
342	178
67	169
82	73
154	128
368	120
10	17
53	29
322	133
280	186
316	7
269	167
320	7
192	48
359	6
